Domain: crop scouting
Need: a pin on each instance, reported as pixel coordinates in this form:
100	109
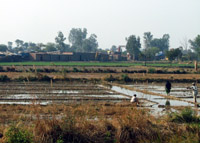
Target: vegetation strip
101	64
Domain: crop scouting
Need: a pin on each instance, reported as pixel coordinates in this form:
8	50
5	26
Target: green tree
90	44
150	53
3	48
35	49
25	45
76	38
31	44
60	39
133	46
148	37
10	44
174	54
195	45
19	43
49	47
80	42
190	56
21	46
161	43
113	48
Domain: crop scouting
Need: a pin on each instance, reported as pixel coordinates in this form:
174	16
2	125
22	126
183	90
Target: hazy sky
111	20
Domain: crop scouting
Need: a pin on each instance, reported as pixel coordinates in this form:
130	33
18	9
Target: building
69	56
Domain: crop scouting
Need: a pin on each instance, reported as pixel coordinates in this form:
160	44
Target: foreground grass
92	122
106	64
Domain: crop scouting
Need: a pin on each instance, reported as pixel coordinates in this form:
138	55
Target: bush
187	115
39	70
151	70
18	135
109	78
44	78
126	78
4	78
75	70
21	78
1	69
12	69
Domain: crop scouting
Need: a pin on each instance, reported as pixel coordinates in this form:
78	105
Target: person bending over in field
134	99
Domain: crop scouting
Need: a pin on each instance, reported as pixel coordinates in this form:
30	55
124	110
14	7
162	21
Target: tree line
155	47
80	41
78	38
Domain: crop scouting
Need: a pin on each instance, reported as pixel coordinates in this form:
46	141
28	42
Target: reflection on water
158	99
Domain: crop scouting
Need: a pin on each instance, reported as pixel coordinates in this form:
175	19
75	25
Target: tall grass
92	122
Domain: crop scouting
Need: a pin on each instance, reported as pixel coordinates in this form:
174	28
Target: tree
165	42
3	48
25	46
31	44
19	43
35	49
174	54
133	46
161	43
10	45
50	47
90	44
184	43
150	53
21	46
191	56
76	37
60	39
113	48
195	45
80	42
148	37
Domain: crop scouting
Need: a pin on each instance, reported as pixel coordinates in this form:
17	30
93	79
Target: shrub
31	70
75	70
18	135
151	70
21	78
4	78
186	115
12	69
39	70
1	69
109	78
125	78
44	78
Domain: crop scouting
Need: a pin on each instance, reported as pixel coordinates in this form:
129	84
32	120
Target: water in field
44	93
155	99
64	93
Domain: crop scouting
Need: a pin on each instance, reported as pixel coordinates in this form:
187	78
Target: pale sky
111	20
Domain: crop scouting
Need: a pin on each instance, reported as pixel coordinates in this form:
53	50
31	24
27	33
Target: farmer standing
168	87
194	92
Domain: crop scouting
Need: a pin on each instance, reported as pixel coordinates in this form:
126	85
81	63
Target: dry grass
92	122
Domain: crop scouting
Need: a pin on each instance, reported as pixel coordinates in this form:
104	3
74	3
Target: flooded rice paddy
46	93
65	92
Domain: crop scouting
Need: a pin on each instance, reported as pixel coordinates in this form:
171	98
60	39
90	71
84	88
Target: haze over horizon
111	20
